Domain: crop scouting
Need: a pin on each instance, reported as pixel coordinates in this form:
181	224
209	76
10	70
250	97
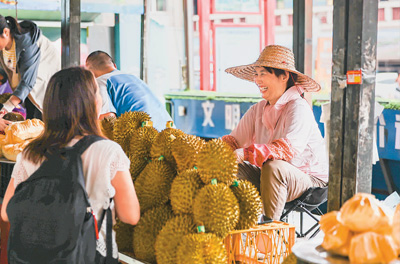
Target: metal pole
70	33
142	39
188	23
353	113
204	35
299	33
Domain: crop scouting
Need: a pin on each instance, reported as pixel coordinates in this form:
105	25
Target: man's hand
109	114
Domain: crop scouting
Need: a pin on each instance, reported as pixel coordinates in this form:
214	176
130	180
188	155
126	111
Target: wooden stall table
6	167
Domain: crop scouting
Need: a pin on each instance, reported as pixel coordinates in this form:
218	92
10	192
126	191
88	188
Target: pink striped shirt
290	118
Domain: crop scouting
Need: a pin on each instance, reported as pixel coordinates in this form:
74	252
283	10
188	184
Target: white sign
232	116
208	108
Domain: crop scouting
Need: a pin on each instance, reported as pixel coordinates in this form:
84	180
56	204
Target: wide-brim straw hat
277	57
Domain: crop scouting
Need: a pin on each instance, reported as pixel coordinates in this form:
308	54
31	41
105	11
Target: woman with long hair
70	112
29	59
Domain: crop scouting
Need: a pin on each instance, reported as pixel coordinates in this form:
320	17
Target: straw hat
278	57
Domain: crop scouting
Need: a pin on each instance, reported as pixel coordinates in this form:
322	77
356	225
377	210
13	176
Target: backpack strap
85	142
109	244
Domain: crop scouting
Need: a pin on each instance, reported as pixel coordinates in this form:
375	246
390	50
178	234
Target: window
161	5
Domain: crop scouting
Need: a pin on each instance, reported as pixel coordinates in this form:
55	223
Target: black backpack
50	215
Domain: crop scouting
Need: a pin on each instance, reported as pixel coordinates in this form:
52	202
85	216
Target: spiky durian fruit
140	144
216	208
162	145
107	126
4	97
171	235
183	191
201	249
11	116
124	234
250	204
125	125
146	232
154	184
184	149
216	160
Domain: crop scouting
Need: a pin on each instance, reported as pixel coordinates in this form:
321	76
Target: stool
309	201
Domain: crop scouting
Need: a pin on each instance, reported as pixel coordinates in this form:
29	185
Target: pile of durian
189	196
363	230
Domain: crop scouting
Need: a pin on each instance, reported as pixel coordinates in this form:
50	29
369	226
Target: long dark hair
12	24
69	110
292	76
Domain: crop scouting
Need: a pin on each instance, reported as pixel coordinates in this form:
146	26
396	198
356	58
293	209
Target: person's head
8	28
278	66
99	62
273	82
71	107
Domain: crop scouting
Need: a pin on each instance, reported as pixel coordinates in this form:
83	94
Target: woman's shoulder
106	145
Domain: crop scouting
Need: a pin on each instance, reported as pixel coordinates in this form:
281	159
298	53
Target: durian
140	144
216	208
171	235
125	126
147	230
107	126
162	145
154	184
124	233
12	116
216	160
4	97
250	204
184	149
201	249
183	191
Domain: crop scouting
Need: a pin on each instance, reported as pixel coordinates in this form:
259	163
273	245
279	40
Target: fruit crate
269	243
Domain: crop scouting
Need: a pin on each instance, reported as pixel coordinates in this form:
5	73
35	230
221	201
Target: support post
70	33
302	38
352	107
204	35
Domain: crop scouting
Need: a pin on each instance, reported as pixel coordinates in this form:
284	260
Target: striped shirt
10	60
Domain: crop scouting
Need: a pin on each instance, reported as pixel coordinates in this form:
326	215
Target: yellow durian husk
162	145
125	126
216	160
183	191
216	208
107	126
250	204
184	149
146	231
201	248
171	235
153	185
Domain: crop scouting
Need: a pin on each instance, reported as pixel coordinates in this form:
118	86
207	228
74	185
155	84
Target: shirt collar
289	95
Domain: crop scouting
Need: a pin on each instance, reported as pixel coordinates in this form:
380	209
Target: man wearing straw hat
278	138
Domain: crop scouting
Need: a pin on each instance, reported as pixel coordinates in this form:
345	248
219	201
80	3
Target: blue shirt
129	93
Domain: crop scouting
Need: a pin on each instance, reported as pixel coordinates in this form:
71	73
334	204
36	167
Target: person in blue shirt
124	92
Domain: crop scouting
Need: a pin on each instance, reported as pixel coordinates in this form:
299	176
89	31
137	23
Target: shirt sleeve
119	161
105	107
244	132
298	125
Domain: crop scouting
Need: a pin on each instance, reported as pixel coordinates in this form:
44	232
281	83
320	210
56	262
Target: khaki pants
278	182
